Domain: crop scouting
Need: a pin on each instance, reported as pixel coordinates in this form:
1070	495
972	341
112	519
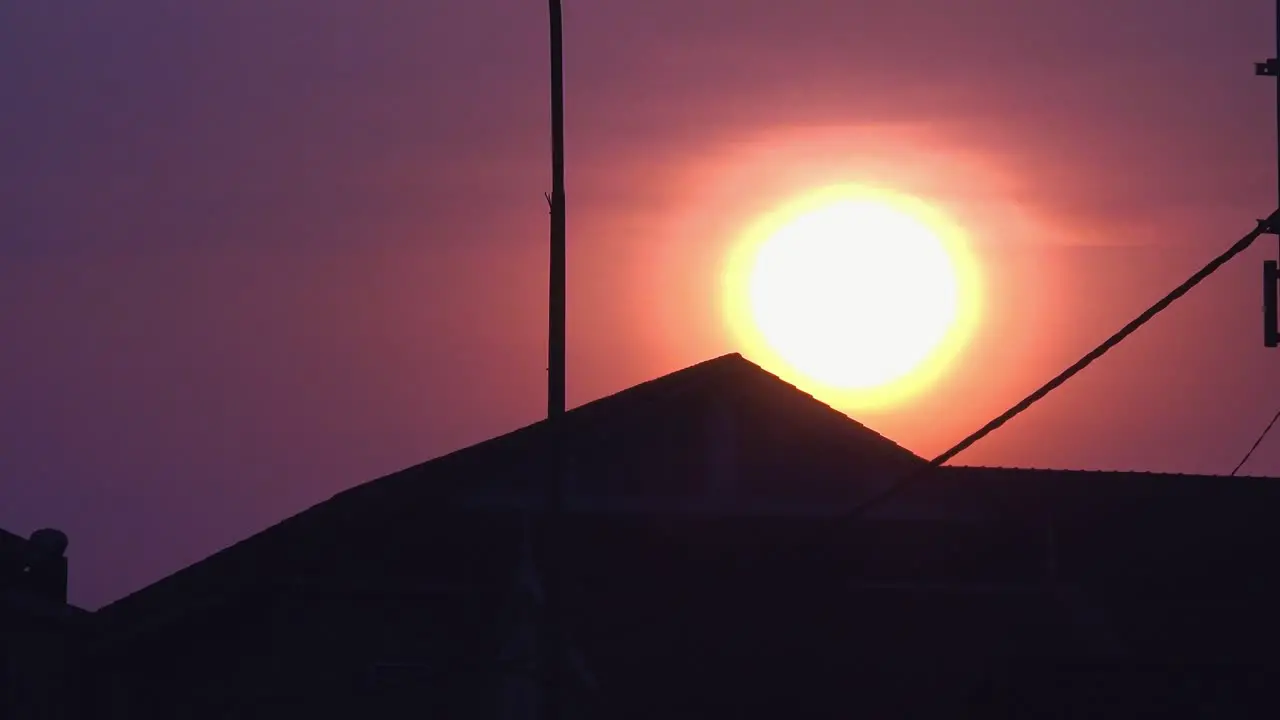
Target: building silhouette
39	630
695	585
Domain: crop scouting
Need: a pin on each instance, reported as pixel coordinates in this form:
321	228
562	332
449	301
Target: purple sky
256	251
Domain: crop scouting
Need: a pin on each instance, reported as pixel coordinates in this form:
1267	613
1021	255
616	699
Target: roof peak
650	404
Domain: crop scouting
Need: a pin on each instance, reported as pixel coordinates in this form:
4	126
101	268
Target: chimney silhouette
45	571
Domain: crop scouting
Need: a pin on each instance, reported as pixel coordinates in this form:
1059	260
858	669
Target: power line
1256	443
1263	227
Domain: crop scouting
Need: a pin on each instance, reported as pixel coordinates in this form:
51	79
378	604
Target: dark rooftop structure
698	587
37	627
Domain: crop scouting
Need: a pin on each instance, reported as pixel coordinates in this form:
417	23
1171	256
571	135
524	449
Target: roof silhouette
793	438
970	565
647	409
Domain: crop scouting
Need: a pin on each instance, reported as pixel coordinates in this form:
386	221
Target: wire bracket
1270	304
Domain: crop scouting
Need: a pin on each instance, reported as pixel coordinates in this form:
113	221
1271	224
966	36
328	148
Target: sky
255	252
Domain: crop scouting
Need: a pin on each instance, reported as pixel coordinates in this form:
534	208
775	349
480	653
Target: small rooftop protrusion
49	542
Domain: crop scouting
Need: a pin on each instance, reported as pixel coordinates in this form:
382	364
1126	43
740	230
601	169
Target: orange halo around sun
860	295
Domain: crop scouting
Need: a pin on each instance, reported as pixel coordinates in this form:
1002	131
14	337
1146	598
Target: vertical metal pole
555	358
1270	275
553	659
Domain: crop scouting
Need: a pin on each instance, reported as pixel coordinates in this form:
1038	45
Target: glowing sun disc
855	291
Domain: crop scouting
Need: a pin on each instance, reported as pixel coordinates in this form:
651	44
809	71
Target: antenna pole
554	654
1270	276
555	356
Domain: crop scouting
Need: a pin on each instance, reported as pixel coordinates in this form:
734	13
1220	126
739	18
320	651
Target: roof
651	411
791	438
1067	491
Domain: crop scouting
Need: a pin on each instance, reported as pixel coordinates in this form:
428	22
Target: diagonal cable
1256	443
1263	227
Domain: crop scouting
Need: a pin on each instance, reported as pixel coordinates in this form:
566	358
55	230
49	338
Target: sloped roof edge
632	399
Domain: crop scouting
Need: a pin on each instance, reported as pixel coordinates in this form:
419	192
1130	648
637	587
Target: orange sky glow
724	191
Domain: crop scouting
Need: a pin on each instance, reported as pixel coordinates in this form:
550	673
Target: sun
856	292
